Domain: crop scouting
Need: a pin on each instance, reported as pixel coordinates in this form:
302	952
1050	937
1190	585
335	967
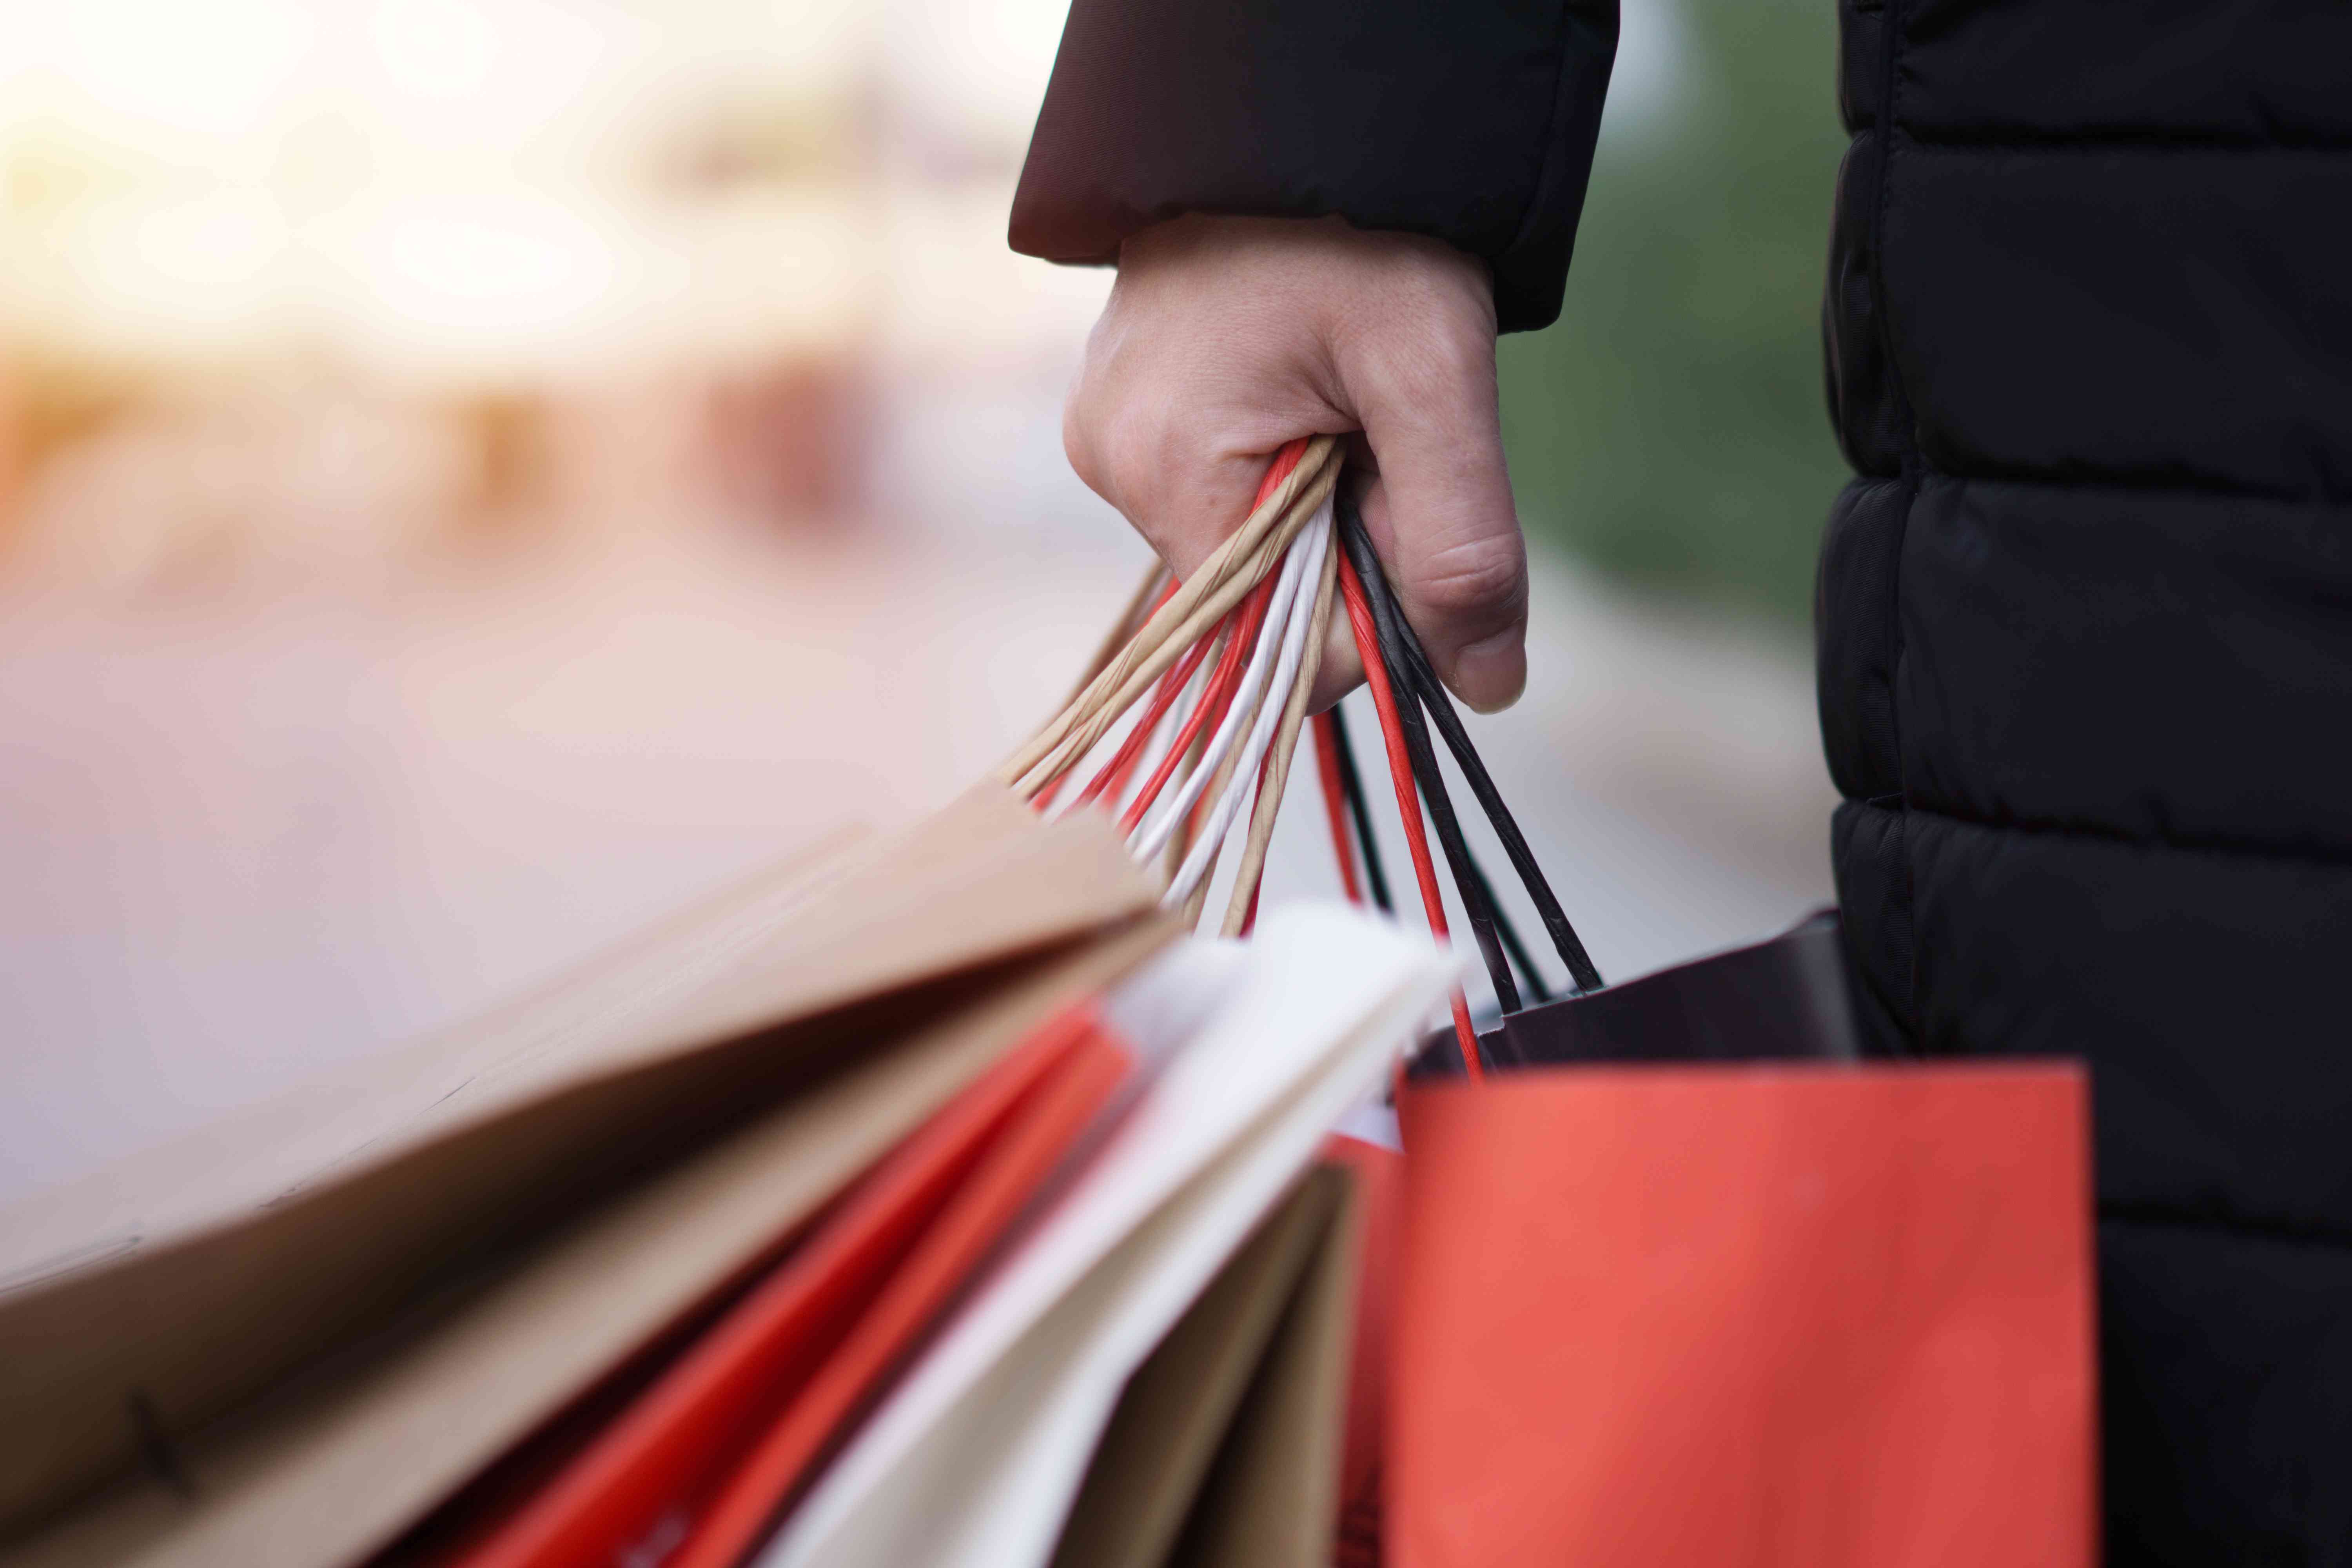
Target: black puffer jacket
2086	675
2086	616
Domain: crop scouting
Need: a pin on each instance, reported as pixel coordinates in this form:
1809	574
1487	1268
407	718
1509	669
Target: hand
1226	337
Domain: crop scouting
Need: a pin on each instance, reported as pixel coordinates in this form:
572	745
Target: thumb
1440	513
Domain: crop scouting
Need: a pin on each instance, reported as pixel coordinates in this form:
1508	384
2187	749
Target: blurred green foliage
1672	429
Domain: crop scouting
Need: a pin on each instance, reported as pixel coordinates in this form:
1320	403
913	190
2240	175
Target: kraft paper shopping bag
1270	1501
155	1302
1182	1418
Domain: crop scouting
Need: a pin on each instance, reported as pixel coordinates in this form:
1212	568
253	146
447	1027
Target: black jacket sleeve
1470	120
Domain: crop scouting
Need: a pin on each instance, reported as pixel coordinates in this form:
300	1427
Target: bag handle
1477	901
1400	646
1212	759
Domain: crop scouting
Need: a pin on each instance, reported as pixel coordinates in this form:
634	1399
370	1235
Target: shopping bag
775	1044
1784	999
574	1241
994	1427
1270	1499
1224	1447
696	1464
1376	1167
1763	1315
1789	1312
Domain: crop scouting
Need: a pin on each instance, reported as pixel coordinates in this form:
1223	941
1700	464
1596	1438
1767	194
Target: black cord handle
1477	903
1351	785
1529	972
1423	688
1359	819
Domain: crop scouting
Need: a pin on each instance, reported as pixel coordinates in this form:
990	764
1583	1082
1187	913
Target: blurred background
477	474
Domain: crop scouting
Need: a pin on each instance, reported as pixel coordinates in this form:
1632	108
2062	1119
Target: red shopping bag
1788	1315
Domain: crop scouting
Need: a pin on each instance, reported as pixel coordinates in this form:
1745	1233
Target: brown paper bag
332	1468
1224	1448
153	1299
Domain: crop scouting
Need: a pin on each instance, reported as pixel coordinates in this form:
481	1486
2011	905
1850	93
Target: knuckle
1482	580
